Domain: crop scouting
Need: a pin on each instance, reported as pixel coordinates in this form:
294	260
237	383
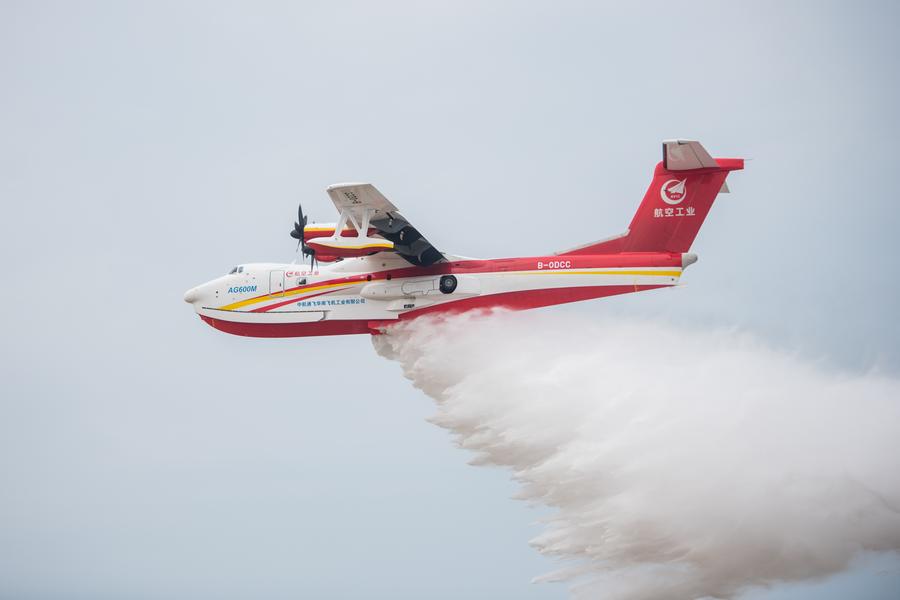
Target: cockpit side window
240	269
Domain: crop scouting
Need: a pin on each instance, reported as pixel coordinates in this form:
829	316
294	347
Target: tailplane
684	187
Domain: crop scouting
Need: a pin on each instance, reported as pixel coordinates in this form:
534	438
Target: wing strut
365	207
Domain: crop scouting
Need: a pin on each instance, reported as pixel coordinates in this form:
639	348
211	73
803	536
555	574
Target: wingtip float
372	267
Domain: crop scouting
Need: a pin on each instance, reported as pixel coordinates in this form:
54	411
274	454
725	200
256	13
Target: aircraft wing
365	204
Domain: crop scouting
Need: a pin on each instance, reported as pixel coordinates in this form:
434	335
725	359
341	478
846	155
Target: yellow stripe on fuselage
316	288
565	272
340	247
286	294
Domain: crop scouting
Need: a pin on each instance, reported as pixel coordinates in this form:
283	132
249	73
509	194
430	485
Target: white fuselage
358	295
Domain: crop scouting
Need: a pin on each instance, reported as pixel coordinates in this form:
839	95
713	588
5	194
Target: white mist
680	464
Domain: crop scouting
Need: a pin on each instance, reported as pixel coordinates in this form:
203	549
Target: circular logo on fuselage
673	191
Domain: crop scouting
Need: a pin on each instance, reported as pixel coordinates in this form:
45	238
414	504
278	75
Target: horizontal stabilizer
686	155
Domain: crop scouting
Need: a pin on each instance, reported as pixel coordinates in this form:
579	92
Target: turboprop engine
327	230
324	236
341	246
328	242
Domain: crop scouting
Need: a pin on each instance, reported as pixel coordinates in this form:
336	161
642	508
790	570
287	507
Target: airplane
372	268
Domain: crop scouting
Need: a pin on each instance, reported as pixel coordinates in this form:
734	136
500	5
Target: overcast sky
148	147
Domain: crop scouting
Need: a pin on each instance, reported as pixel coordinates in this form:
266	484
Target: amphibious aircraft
373	268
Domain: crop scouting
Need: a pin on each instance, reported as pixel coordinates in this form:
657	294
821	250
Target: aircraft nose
192	295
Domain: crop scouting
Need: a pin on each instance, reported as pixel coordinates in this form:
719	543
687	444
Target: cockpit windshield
238	269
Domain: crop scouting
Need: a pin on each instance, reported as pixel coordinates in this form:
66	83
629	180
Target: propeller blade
299	231
300	216
299	224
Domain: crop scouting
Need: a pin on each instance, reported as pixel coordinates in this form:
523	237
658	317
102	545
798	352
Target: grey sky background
147	147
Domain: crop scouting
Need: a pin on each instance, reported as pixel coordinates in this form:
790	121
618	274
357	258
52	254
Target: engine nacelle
327	230
349	246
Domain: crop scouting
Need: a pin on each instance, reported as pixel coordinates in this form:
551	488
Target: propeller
297	234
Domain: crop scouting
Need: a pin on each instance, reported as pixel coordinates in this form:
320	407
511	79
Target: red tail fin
683	189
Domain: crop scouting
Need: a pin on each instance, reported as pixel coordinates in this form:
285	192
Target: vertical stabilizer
684	186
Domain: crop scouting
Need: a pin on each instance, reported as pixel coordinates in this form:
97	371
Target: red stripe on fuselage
526	299
520	300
